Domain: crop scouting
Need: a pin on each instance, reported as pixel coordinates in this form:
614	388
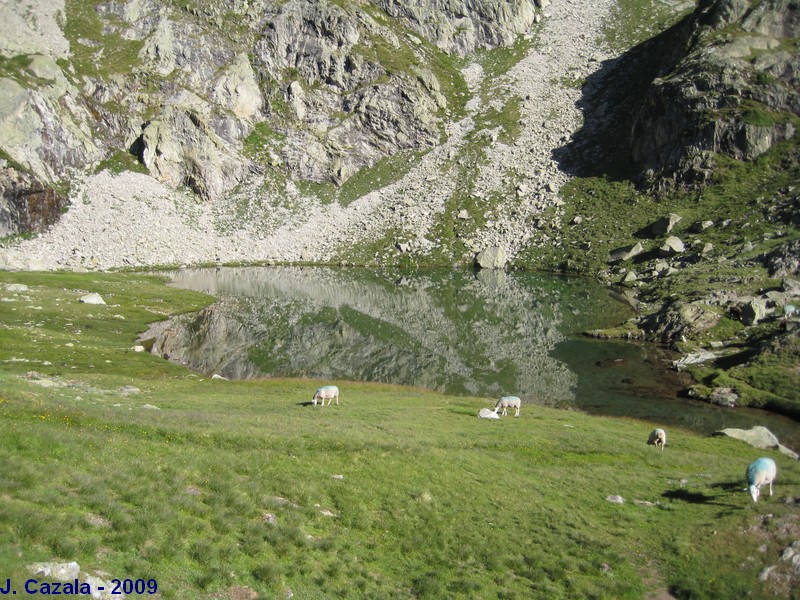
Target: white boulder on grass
92	298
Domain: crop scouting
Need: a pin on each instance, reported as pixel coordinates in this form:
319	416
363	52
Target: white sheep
760	472
326	392
507	402
658	437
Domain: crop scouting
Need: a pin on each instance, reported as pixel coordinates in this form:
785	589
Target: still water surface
480	334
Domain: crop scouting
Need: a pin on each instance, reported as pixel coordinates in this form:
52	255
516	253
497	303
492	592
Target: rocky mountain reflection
457	332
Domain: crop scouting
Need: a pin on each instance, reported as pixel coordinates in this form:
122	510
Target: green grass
634	21
120	162
384	172
397	493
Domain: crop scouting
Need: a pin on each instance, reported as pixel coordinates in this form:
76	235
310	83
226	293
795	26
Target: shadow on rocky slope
723	80
612	97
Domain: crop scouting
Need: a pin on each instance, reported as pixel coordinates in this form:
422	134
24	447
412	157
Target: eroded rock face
48	129
729	94
350	110
26	205
181	148
459	27
338	86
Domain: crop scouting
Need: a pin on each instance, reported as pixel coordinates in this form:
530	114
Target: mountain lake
473	333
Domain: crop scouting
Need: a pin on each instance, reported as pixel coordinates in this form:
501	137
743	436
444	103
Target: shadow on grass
729	486
687	496
697	497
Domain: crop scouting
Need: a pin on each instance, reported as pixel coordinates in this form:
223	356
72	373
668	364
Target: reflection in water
484	334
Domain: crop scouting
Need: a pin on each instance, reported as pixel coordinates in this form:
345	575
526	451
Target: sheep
760	472
507	402
658	437
326	392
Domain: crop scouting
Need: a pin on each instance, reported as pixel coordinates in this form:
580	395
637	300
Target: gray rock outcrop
758	437
721	81
717	98
461	26
678	320
315	90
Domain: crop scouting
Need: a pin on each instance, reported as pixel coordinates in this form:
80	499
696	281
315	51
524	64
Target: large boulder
679	319
626	253
758	437
754	311
665	225
493	257
672	245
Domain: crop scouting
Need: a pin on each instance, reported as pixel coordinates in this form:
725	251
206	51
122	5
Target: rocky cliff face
26	205
735	92
208	94
722	81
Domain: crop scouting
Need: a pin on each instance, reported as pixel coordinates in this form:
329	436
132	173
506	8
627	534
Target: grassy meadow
137	468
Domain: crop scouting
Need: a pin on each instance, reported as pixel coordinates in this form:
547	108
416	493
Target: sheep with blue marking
507	402
326	392
658	437
760	472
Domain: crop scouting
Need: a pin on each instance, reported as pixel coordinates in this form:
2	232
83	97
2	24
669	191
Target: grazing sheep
760	472
658	437
507	402
326	392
